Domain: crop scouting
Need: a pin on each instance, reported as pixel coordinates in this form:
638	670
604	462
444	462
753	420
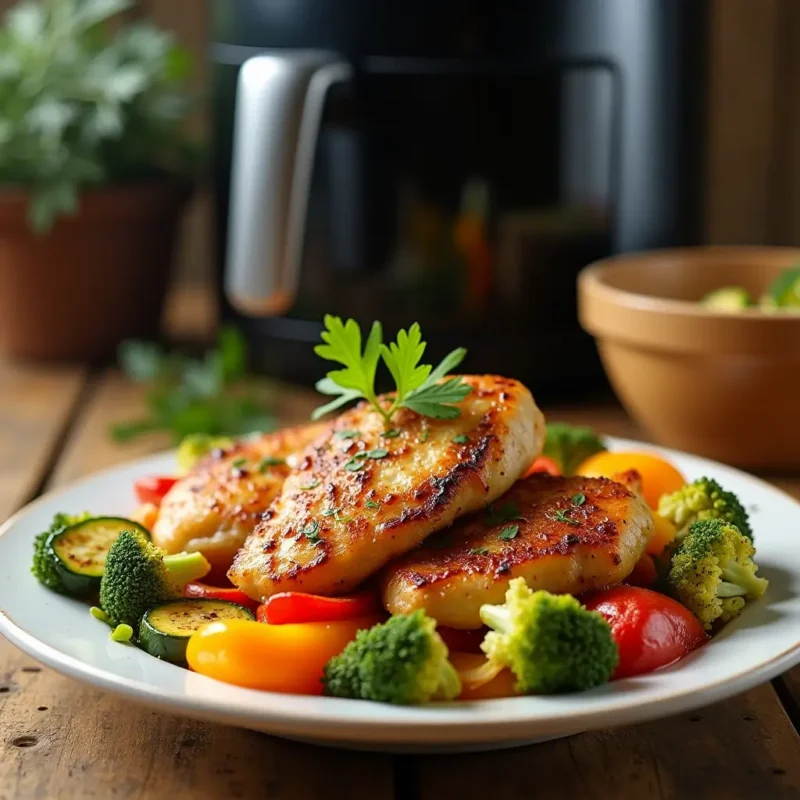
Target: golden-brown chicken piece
565	535
219	502
362	497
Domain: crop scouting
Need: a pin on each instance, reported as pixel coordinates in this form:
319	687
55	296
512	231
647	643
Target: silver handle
279	102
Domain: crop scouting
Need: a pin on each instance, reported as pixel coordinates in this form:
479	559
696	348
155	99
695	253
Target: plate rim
420	724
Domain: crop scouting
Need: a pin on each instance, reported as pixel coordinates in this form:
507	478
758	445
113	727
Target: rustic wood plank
742	748
84	743
35	404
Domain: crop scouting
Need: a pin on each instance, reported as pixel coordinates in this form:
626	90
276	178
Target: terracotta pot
95	279
723	385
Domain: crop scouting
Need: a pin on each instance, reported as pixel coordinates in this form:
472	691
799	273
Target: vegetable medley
693	569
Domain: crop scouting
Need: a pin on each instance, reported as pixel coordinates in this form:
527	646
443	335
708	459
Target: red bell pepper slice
292	607
153	488
229	593
544	464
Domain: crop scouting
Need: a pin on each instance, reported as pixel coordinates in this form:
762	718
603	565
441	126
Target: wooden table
63	739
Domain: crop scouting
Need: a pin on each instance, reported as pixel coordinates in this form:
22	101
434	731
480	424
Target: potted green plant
94	174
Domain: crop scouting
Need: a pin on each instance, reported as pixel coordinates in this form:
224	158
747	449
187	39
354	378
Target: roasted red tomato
153	488
651	630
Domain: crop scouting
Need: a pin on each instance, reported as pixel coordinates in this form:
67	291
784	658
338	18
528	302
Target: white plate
58	631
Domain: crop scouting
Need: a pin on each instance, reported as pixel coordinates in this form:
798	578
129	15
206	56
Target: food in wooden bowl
700	378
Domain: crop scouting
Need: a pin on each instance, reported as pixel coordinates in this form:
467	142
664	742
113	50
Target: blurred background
455	163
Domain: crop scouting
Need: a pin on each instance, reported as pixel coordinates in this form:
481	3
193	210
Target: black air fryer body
479	155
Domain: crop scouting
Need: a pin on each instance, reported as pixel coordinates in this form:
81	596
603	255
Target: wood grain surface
62	739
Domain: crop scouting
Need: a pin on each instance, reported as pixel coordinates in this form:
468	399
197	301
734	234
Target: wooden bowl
724	385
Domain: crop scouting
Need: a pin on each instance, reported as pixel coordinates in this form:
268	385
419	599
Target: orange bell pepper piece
275	658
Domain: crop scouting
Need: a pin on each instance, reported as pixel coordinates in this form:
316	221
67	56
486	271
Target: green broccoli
713	573
139	575
401	661
550	642
44	567
196	446
703	499
569	446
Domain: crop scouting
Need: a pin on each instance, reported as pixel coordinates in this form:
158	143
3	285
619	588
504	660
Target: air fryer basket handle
279	102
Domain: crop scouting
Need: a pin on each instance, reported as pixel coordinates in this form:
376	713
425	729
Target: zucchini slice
79	552
165	630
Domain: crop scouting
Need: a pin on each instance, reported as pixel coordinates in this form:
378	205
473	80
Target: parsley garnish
508	512
424	436
462	438
330	512
479	551
417	386
347	434
356	463
237	463
560	516
372	504
378	452
269	461
313	485
311	532
392	433
578	499
509	532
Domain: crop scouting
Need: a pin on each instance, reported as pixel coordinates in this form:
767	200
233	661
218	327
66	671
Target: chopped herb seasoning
311	532
237	463
424	436
307	486
578	499
392	433
509	532
372	504
269	461
378	452
330	512
462	438
479	551
347	434
356	463
560	516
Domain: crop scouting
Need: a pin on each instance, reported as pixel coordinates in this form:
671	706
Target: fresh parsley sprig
420	387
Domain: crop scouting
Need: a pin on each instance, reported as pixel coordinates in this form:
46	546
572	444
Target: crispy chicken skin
220	501
454	573
360	499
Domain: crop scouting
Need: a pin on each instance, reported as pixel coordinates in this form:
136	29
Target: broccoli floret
139	575
196	446
550	642
44	566
713	573
401	661
569	446
703	499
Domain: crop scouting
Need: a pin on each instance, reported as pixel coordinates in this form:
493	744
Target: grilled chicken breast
566	535
363	496
215	506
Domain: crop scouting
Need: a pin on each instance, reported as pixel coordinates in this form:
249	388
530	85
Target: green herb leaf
509	532
355	464
424	435
392	433
560	516
372	504
270	461
417	386
311	485
311	532
330	512
347	434
578	499
238	463
462	438
479	551
378	452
